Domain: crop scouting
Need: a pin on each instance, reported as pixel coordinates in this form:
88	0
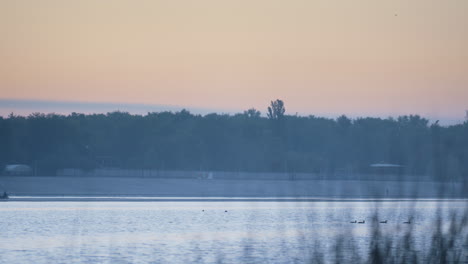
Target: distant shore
190	188
215	199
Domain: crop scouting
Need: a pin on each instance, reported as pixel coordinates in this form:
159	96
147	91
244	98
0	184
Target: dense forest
246	141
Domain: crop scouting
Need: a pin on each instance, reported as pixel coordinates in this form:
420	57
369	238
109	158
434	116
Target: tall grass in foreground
449	244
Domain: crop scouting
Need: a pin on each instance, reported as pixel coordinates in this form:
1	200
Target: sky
323	57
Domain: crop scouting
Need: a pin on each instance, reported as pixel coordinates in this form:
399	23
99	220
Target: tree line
245	141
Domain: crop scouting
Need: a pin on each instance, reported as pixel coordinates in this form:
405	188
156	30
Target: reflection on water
178	232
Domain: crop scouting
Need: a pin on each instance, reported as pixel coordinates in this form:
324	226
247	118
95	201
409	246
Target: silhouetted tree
252	113
240	142
276	110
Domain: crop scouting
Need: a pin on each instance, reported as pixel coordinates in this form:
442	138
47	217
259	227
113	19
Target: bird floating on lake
353	222
383	222
362	222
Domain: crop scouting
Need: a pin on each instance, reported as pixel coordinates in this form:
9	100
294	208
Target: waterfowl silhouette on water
407	222
383	222
362	222
353	222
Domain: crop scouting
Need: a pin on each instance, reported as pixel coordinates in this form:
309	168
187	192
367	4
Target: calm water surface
183	232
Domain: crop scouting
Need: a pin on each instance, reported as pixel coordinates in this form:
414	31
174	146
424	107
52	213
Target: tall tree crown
276	109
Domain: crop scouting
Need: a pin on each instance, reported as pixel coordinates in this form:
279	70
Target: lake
203	231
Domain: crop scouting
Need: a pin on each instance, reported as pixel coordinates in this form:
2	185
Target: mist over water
205	232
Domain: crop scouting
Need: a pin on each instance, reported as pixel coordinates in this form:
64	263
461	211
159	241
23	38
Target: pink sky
362	57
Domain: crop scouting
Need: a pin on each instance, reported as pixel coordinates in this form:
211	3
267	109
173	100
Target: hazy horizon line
25	107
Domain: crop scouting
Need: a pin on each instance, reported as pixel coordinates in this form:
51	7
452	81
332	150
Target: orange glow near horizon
354	57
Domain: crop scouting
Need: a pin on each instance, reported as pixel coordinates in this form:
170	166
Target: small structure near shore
4	196
17	170
386	169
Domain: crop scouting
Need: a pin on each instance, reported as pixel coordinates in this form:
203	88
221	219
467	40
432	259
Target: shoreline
144	189
218	199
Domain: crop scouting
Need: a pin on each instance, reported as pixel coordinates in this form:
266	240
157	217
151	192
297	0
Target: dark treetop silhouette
241	142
